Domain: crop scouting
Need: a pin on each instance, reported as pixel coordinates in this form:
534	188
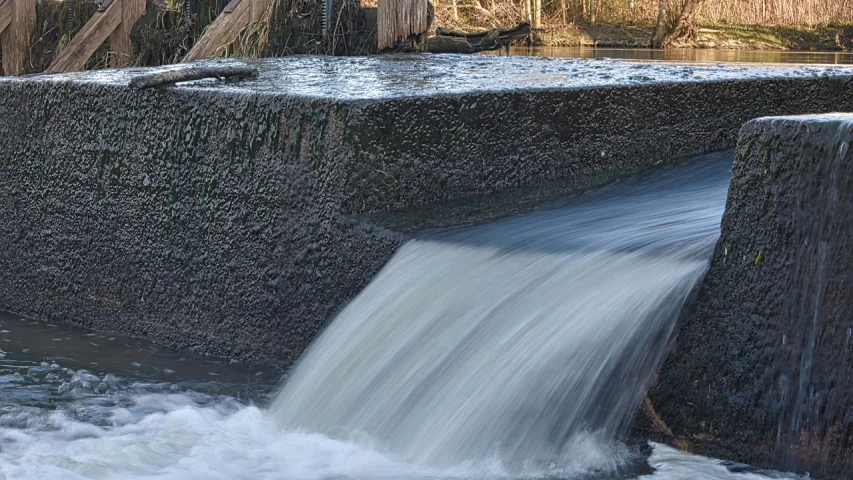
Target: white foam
187	441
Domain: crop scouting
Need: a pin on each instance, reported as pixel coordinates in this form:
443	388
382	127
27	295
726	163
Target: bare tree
537	13
684	32
661	28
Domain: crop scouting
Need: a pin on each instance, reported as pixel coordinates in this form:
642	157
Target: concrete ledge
236	219
762	368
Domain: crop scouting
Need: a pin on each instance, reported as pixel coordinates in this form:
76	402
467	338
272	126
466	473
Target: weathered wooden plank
17	20
121	48
237	15
113	20
232	5
74	56
5	14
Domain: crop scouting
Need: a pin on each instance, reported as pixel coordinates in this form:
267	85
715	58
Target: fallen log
185	74
491	39
447	45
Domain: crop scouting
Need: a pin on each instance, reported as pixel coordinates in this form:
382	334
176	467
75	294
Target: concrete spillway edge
233	223
761	370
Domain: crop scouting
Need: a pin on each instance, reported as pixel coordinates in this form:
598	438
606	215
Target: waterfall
515	342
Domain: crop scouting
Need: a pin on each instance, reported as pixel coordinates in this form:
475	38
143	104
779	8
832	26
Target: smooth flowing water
705	55
511	350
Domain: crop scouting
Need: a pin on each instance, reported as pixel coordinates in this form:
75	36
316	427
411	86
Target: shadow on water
47	366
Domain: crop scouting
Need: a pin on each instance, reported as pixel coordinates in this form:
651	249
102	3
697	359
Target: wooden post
17	21
121	49
5	14
237	15
399	21
113	20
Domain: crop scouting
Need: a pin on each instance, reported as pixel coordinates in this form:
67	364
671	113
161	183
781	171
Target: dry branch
171	77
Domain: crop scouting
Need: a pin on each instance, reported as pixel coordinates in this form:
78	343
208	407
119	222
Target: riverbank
166	32
832	38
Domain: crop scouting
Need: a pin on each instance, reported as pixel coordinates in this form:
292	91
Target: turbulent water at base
512	350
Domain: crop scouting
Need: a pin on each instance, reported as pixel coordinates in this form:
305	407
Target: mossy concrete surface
761	370
230	220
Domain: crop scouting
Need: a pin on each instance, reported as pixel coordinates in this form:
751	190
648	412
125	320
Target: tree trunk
537	13
685	31
455	11
660	28
528	10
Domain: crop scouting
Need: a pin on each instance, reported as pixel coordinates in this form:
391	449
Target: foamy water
176	436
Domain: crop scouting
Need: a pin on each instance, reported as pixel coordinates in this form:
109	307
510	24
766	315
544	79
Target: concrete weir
762	369
237	219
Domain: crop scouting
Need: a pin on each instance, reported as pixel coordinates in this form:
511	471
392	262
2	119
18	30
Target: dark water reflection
690	55
46	365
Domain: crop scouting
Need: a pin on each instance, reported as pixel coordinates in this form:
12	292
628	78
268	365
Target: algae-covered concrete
762	367
230	219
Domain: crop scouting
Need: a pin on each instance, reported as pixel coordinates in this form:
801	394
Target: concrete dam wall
237	219
762	367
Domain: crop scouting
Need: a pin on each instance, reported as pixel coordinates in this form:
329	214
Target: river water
706	55
506	351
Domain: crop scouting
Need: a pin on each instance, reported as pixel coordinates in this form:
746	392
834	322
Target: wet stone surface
762	368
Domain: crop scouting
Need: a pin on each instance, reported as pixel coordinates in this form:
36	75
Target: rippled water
496	352
413	75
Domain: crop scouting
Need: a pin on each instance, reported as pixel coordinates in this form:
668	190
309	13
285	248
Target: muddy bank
761	370
237	219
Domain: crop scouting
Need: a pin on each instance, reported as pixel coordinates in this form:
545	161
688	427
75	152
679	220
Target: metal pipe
326	21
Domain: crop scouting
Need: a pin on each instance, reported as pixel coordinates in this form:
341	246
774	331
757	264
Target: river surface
707	55
512	350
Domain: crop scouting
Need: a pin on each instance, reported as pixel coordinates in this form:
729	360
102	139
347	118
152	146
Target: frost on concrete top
397	76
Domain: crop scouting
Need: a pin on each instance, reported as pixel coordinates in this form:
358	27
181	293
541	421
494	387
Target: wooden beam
238	15
17	21
112	15
5	14
121	48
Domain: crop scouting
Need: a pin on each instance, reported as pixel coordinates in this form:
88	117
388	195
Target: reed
557	12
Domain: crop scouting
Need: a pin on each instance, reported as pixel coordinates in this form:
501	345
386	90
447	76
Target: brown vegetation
628	12
677	21
169	28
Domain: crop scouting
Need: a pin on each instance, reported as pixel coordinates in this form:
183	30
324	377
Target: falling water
511	342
